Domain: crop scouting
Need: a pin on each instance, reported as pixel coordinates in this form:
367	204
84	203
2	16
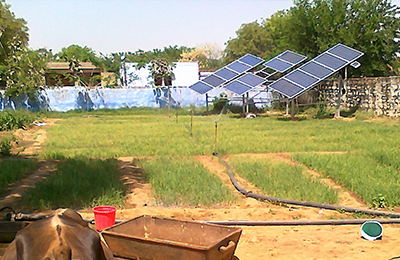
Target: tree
311	27
251	38
207	55
12	31
161	71
76	53
21	69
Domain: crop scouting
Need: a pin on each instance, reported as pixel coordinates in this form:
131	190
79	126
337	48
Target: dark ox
62	237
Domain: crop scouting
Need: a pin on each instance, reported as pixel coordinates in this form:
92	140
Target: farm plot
144	135
281	180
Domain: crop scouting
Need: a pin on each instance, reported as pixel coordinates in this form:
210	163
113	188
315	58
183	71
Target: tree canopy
311	27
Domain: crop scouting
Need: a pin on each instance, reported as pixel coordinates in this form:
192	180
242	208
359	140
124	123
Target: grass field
281	180
370	166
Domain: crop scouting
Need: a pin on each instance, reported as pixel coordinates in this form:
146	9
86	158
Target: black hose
303	203
302	222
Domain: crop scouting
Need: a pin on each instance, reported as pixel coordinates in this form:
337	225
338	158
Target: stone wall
381	95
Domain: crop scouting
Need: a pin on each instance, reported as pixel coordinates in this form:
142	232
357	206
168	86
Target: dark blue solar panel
317	70
278	65
285	87
238	67
214	80
200	87
237	87
226	74
345	52
331	61
292	57
251	80
302	78
251	60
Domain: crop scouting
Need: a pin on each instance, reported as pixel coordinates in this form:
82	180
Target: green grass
149	132
360	173
183	181
281	180
79	184
13	170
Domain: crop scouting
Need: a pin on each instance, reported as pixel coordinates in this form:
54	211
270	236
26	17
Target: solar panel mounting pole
339	99
292	111
247	103
207	102
287	106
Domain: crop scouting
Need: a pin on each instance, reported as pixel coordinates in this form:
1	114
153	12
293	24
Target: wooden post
207	102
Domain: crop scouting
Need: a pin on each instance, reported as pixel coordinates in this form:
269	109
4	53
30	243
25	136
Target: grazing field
369	166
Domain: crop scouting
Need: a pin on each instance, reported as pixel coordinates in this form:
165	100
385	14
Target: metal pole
287	106
247	103
191	124
244	104
339	99
216	137
292	111
207	102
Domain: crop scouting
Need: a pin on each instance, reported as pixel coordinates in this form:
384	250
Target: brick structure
381	95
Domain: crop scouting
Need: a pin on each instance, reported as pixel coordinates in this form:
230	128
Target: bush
11	119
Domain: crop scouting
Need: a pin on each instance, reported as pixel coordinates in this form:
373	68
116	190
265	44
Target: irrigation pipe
303	203
330	222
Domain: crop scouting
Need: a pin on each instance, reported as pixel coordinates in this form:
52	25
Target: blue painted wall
69	98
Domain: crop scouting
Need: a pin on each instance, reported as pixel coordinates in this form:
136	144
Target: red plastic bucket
104	217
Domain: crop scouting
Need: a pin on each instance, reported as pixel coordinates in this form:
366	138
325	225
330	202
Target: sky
109	26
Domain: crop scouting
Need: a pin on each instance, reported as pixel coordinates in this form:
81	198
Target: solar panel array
227	73
237	78
316	70
280	63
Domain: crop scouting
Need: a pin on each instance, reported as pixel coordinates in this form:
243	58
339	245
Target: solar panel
237	87
251	60
201	87
292	57
214	80
238	67
331	61
286	87
345	52
226	74
278	65
316	70
301	78
251	80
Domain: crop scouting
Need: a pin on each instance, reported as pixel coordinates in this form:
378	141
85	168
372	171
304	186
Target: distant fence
69	98
381	95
